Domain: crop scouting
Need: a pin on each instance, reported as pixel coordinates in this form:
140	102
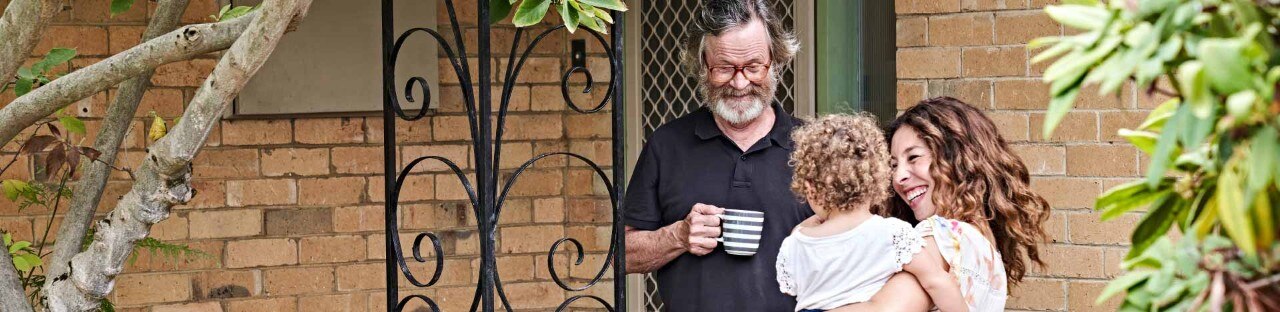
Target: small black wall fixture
485	197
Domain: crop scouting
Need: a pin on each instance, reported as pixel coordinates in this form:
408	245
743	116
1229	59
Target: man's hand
698	230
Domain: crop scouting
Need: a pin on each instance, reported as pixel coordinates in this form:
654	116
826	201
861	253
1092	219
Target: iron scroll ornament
483	195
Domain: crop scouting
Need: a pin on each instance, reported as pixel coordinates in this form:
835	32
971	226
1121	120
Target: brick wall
975	50
291	208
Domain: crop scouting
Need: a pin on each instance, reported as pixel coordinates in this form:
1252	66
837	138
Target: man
730	154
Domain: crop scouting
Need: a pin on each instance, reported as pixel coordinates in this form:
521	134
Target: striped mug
740	231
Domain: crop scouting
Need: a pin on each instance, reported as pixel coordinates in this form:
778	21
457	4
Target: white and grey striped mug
740	231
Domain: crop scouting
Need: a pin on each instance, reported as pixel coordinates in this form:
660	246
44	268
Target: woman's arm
901	293
929	268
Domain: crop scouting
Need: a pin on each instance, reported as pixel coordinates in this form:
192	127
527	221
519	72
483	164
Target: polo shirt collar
780	135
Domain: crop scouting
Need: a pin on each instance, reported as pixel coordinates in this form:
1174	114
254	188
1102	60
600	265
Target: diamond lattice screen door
665	92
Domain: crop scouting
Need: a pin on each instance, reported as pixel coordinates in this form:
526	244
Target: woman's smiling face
911	180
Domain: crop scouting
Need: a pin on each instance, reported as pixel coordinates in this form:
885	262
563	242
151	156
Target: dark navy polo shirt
689	160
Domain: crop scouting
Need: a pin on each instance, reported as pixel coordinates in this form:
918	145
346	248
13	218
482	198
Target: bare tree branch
184	43
21	27
13	298
165	176
114	128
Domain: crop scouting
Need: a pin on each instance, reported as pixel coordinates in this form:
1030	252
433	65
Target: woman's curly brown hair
841	162
977	179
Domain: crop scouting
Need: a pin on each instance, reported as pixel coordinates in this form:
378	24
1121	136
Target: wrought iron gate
486	198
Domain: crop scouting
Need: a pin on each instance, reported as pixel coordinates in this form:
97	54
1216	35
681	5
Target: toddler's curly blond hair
841	162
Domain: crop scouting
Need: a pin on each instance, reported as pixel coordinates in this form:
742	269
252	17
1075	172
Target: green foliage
171	252
120	6
24	257
592	14
1213	147
39	74
227	12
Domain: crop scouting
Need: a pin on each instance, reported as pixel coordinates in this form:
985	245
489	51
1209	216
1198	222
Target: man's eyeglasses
721	74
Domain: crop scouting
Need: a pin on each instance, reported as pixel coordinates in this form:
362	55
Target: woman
957	178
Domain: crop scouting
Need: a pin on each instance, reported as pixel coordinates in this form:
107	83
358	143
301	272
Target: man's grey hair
719	16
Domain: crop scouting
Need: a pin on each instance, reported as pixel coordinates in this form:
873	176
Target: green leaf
1150	7
1154	225
32	260
58	56
12	189
570	16
1123	283
531	12
25	73
72	124
222	11
236	12
604	15
1143	140
1051	52
8	239
106	305
498	10
1165	147
1233	210
120	6
1079	16
594	23
1058	108
1126	197
22	87
1158	116
1195	88
1262	162
18	246
1225	64
1240	103
21	264
615	5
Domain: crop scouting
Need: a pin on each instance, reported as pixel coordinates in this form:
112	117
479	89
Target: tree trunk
114	127
21	27
182	44
164	177
12	297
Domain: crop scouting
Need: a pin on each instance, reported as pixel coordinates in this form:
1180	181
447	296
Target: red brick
528	239
190	73
544	295
357	159
1090	99
460	155
87	40
256	132
358	219
124	37
1013	126
261	192
593	126
336	303
1021	94
1021	27
331	249
208	194
1112	122
135	289
433	216
1102	160
537	182
988	5
911	31
1065	193
225	223
1038	294
1042	159
995	62
515	154
270	304
99	12
449	188
925	6
974	92
189	307
299	221
296	281
225	284
1088	228
928	62
198	11
909	93
534	127
1081	296
548	210
225	163
329	130
1073	261
960	30
261	252
1075	126
361	276
330	191
418	131
295	162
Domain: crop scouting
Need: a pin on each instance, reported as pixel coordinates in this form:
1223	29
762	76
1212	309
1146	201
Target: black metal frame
486	201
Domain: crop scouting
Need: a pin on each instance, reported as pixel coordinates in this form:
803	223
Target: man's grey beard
740	113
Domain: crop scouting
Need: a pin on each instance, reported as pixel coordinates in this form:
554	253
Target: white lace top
831	271
974	261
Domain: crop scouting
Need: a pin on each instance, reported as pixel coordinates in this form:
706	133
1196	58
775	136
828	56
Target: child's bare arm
930	270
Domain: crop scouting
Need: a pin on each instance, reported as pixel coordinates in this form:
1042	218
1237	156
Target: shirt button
743	157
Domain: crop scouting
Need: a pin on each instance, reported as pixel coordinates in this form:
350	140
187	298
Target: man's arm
649	250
